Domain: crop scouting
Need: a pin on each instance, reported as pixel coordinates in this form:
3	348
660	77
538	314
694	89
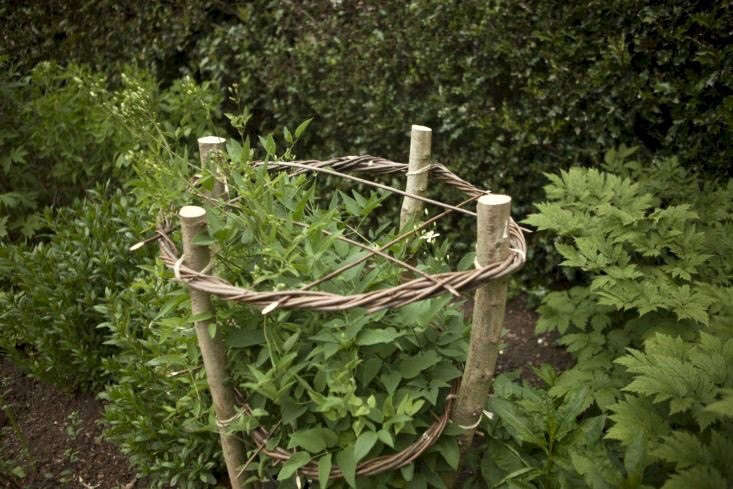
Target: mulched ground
64	437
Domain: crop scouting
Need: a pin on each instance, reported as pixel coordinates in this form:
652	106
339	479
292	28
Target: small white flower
430	236
489	415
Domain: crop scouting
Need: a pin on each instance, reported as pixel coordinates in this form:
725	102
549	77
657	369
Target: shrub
535	439
511	91
106	34
334	387
158	410
48	316
649	325
57	140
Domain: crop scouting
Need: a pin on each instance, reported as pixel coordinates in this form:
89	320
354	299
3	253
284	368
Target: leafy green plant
48	317
542	440
672	400
551	87
650	324
156	409
336	387
57	140
533	88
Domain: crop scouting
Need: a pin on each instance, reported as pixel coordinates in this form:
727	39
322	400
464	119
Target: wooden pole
208	147
421	139
492	245
213	352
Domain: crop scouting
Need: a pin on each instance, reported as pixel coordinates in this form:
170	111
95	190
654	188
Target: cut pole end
494	199
191	212
416	127
211	140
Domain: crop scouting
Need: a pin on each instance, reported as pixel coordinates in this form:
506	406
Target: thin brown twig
328	171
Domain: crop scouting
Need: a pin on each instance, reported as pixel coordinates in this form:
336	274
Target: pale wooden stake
213	352
421	139
492	245
208	145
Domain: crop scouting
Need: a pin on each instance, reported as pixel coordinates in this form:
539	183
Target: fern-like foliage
651	322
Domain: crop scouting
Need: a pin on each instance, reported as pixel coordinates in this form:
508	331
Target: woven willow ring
414	290
393	297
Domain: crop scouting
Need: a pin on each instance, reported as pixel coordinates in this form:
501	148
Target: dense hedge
511	89
105	34
49	291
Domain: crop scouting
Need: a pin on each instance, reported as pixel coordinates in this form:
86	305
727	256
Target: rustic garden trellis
500	250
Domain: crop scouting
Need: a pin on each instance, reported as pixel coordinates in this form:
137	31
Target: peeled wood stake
213	352
421	139
208	146
492	245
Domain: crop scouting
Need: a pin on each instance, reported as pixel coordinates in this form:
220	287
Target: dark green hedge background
511	89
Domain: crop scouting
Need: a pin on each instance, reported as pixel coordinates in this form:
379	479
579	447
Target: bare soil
63	434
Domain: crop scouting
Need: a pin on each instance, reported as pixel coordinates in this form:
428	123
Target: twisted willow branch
398	296
374	465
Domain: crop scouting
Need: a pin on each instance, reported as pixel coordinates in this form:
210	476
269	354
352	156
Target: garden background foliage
631	265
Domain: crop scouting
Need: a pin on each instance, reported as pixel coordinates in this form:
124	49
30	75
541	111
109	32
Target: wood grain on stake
208	146
492	245
213	352
421	139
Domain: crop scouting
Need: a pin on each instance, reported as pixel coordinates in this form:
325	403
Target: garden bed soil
64	435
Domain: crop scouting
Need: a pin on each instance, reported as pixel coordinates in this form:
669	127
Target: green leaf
207	478
324	469
234	149
203	239
635	456
302	127
295	462
241	338
169	359
268	143
314	440
364	443
390	380
412	366
518	425
448	448
369	369
376	336
347	463
408	471
291	410
724	407
386	437
518	473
